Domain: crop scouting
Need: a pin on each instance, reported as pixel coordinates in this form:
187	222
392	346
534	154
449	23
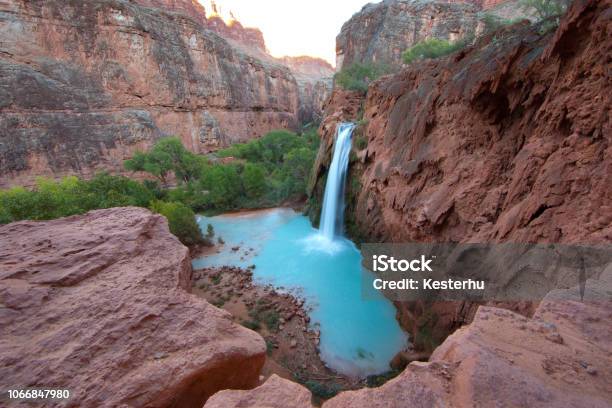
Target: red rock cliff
99	304
508	140
85	84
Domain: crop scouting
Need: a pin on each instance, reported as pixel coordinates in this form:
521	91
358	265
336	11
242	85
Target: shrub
181	220
358	76
54	199
493	23
432	48
322	390
251	324
545	9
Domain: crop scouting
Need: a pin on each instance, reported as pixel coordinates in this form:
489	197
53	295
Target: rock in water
99	304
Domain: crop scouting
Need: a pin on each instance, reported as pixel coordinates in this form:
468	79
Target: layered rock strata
85	84
505	141
99	304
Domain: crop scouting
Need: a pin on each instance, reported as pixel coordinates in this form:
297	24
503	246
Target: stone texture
507	141
560	358
100	304
314	77
85	84
276	392
381	32
505	358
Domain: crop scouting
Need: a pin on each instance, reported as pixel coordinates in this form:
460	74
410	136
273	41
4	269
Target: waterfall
332	214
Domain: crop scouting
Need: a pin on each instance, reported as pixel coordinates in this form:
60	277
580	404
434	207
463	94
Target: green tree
254	180
223	185
168	155
432	48
296	168
357	76
181	221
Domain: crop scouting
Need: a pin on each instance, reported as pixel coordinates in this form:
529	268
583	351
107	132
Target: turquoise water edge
358	336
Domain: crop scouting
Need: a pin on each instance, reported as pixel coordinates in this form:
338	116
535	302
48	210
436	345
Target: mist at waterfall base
358	337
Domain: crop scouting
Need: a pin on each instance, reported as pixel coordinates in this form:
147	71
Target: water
332	214
358	337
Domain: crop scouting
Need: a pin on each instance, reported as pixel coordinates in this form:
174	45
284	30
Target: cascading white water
332	214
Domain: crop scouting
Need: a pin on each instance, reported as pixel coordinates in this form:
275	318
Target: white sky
295	27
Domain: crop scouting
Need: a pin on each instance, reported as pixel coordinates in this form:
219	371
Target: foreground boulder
274	393
99	304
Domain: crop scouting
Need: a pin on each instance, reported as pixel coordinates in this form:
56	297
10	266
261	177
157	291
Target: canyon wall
85	84
508	140
314	77
99	304
381	32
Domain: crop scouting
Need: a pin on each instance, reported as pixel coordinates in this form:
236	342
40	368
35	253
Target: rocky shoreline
281	319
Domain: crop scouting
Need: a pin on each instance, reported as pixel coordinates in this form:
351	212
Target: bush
358	76
493	23
432	48
321	390
545	9
181	220
54	199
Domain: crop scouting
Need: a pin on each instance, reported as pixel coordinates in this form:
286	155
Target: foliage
167	155
262	312
432	48
377	380
322	390
267	172
254	180
181	220
493	22
251	324
357	76
54	199
545	9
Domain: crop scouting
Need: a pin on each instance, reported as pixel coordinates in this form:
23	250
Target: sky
295	27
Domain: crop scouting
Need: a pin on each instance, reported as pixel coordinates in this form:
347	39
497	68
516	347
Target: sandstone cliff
506	141
99	304
381	32
85	84
314	78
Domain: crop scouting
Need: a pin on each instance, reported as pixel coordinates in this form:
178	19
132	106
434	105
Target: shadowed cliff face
507	141
85	84
314	77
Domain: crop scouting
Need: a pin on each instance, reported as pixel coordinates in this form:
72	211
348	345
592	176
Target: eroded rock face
560	358
314	77
507	141
499	143
381	32
99	304
84	84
